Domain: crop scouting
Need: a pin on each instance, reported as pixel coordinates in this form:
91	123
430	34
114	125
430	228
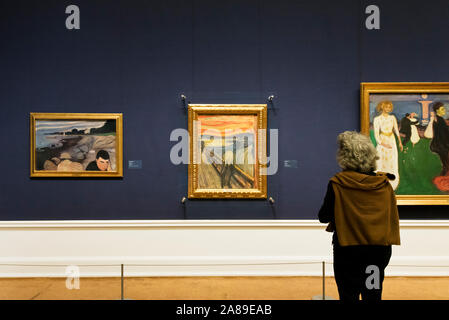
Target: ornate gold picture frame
408	123
227	148
76	145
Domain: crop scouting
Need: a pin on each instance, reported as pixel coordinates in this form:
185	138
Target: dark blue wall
137	57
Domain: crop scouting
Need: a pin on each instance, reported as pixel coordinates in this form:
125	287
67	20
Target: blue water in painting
46	137
43	141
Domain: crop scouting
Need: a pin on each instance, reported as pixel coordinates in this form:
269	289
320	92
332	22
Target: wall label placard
135	164
291	164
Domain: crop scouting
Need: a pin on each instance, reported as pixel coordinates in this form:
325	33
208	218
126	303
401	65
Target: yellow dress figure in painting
385	129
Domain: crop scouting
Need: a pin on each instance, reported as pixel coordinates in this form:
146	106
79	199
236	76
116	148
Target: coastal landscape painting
225	143
76	145
408	124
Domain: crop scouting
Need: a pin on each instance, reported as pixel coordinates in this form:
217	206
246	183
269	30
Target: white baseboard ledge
201	248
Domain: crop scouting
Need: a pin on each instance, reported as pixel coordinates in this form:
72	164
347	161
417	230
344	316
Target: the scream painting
225	143
228	151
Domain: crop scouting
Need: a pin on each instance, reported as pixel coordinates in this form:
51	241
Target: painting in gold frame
76	145
408	123
227	151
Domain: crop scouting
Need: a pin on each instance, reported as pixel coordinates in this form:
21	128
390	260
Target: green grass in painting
373	139
417	168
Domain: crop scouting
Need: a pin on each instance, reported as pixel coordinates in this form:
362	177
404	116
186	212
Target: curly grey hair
356	152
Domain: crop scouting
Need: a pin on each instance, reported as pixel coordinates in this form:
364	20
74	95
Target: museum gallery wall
136	60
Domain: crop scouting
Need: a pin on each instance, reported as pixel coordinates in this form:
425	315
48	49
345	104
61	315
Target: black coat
406	127
440	141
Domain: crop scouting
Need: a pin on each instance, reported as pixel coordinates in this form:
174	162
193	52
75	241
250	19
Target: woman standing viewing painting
360	207
385	128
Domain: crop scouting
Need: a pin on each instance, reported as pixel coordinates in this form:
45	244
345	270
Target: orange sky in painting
236	123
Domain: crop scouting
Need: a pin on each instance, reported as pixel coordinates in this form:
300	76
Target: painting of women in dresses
386	133
411	135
